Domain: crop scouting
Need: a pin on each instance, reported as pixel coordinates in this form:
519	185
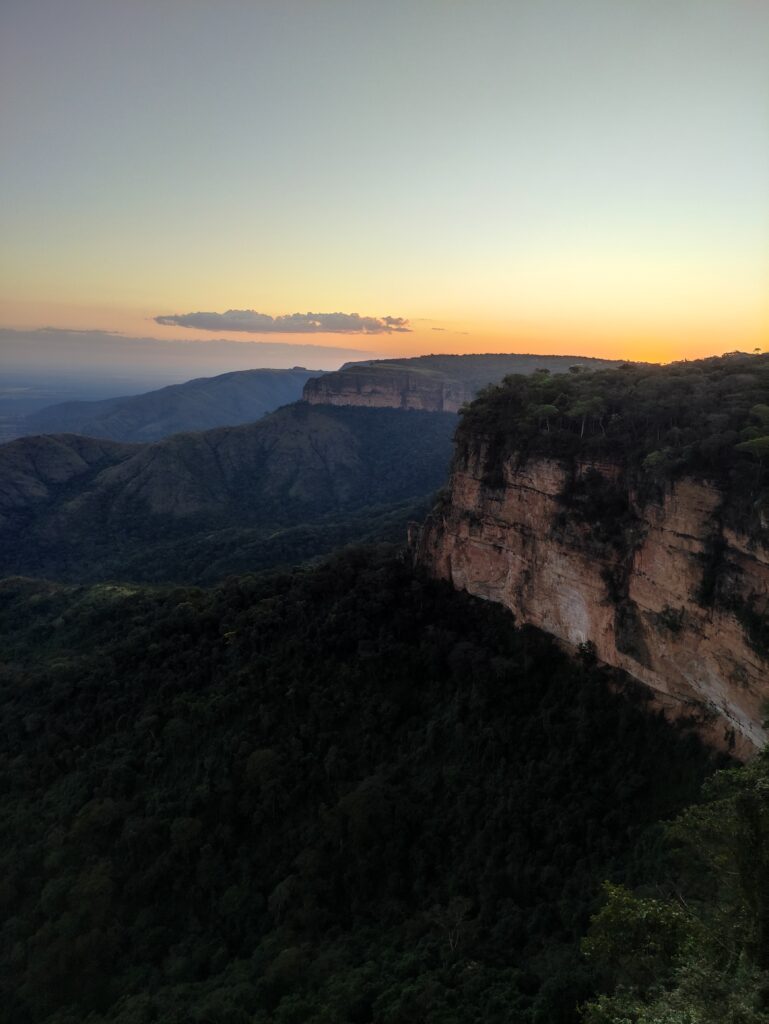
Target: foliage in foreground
700	956
340	795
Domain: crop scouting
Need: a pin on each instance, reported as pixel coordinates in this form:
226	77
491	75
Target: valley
265	762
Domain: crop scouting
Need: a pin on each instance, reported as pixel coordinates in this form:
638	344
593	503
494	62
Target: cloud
292	323
438	328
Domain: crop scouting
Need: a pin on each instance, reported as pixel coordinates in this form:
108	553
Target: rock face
681	604
433	383
387	387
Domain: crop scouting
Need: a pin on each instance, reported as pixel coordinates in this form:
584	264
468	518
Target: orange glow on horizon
652	341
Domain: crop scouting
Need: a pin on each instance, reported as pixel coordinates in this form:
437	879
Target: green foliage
479	371
701	955
758	446
657	423
338	794
761	412
636	941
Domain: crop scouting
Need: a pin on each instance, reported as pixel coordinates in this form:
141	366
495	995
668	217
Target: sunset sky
553	175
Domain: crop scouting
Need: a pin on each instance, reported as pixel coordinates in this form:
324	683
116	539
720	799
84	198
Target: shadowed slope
75	508
201	404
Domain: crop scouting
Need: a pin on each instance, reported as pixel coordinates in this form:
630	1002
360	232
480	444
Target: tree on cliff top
705	419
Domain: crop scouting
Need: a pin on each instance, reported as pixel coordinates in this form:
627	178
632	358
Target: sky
391	177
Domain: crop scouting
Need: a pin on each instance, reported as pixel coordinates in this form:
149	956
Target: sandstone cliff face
387	387
672	606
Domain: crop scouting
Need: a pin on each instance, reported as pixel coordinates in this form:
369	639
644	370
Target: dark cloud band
292	323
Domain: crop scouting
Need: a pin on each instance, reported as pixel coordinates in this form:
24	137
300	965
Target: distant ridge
205	403
200	505
434	383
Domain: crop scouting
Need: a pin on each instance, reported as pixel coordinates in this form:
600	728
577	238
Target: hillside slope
201	404
195	506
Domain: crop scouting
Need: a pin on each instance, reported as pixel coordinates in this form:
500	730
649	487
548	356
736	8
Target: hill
347	794
199	506
202	404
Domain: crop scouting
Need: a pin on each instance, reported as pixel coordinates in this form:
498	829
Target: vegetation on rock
706	419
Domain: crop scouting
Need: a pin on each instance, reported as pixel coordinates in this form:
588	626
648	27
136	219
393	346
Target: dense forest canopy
339	794
478	370
708	418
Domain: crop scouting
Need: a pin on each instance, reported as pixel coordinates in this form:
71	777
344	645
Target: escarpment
670	596
432	383
388	387
656	562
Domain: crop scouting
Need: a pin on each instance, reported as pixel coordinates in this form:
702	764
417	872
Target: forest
344	793
708	418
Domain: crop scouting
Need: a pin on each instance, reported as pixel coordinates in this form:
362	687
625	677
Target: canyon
672	596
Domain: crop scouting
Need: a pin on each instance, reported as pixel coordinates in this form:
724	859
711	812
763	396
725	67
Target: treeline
707	418
339	794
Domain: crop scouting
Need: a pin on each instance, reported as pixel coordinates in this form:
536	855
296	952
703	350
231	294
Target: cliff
391	387
626	512
661	588
435	383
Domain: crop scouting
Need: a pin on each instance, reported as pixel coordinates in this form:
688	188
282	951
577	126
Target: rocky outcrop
659	588
389	387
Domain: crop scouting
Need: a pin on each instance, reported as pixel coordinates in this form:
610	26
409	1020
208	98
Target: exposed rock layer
433	383
642	603
387	387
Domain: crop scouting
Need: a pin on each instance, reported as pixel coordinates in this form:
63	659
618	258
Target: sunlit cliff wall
387	387
679	603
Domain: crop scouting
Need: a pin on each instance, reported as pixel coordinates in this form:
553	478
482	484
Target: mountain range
199	505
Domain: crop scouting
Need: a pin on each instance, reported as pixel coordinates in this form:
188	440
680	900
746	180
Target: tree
758	446
701	957
546	413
